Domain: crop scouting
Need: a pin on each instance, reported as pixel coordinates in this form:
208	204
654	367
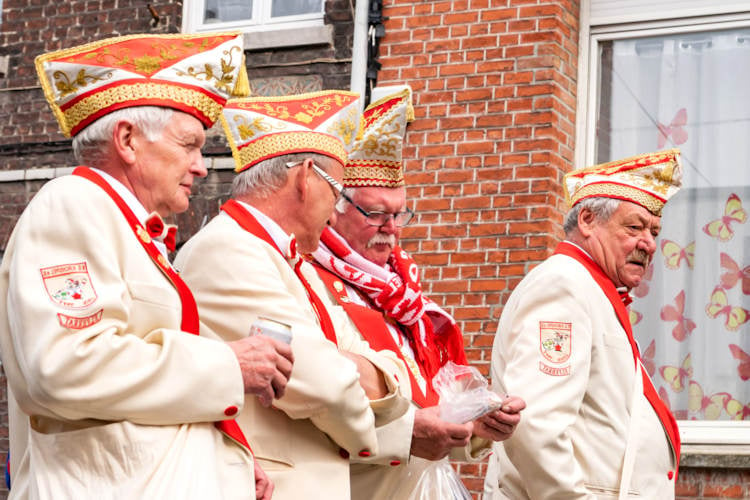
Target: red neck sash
667	419
249	223
371	324
190	322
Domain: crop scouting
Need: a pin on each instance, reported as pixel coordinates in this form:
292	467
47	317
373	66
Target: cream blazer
572	436
108	398
303	441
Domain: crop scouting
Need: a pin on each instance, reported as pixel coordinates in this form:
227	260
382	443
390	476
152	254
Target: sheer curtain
691	315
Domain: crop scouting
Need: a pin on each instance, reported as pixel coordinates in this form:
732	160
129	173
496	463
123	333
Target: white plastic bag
464	395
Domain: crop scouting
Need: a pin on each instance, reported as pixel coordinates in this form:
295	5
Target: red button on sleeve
230	411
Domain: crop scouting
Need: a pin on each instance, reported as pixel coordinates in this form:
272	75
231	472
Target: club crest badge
69	285
555	340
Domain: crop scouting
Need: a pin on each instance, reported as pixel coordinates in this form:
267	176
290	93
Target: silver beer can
271	328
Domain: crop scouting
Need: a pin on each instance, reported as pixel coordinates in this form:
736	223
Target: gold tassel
242	87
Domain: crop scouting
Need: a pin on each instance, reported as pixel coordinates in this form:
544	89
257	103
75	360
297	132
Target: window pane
691	316
222	11
281	8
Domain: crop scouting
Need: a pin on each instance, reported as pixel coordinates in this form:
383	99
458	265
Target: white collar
133	204
280	238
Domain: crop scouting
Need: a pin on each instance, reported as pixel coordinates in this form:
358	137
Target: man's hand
500	424
370	378
433	438
263	485
266	366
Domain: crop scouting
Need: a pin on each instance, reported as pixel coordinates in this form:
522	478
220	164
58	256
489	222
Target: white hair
90	144
602	208
341	204
268	176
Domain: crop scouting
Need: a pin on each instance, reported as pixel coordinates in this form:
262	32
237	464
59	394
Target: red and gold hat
376	159
259	128
648	180
191	73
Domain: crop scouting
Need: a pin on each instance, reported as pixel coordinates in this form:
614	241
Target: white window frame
192	19
691	432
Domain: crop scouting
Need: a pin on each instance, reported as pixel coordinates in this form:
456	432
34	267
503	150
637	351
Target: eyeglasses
377	218
338	189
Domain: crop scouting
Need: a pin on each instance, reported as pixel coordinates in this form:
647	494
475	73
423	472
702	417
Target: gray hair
602	207
340	206
91	144
268	176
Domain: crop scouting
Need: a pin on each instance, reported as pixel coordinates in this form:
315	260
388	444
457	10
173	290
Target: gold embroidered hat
648	180
191	73
376	159
259	128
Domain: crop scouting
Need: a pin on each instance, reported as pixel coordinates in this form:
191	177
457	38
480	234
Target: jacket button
343	453
364	453
395	462
232	410
670	475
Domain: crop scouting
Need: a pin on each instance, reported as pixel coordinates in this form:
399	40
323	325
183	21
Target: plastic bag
439	481
464	395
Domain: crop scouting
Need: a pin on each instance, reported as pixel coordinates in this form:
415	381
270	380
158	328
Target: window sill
725	456
273	39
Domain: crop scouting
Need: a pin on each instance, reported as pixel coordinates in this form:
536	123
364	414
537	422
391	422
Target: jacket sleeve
116	352
237	278
541	447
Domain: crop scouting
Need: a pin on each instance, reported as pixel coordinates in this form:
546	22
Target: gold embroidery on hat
223	82
271	145
106	98
377	173
248	128
66	86
623	192
347	127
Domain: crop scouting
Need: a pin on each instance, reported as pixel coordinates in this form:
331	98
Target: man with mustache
114	392
377	284
594	425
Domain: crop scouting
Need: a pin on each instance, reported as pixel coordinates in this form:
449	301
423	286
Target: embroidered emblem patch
69	285
555	340
76	323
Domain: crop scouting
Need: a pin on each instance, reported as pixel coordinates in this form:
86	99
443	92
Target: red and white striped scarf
395	290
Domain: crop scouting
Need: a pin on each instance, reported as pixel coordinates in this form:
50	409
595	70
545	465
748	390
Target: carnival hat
376	159
259	128
195	74
648	180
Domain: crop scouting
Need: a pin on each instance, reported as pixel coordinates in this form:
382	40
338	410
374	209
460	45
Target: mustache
380	238
639	256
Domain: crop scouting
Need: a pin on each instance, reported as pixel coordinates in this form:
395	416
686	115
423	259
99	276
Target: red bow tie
158	230
626	298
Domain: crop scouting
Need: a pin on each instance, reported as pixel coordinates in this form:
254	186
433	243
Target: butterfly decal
635	317
736	410
744	358
735	316
676	312
642	289
674	254
678	414
734	274
647	358
710	407
721	229
677	376
675	129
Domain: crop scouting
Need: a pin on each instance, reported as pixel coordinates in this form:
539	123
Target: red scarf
432	333
667	419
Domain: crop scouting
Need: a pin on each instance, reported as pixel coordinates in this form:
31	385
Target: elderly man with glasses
377	284
247	267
